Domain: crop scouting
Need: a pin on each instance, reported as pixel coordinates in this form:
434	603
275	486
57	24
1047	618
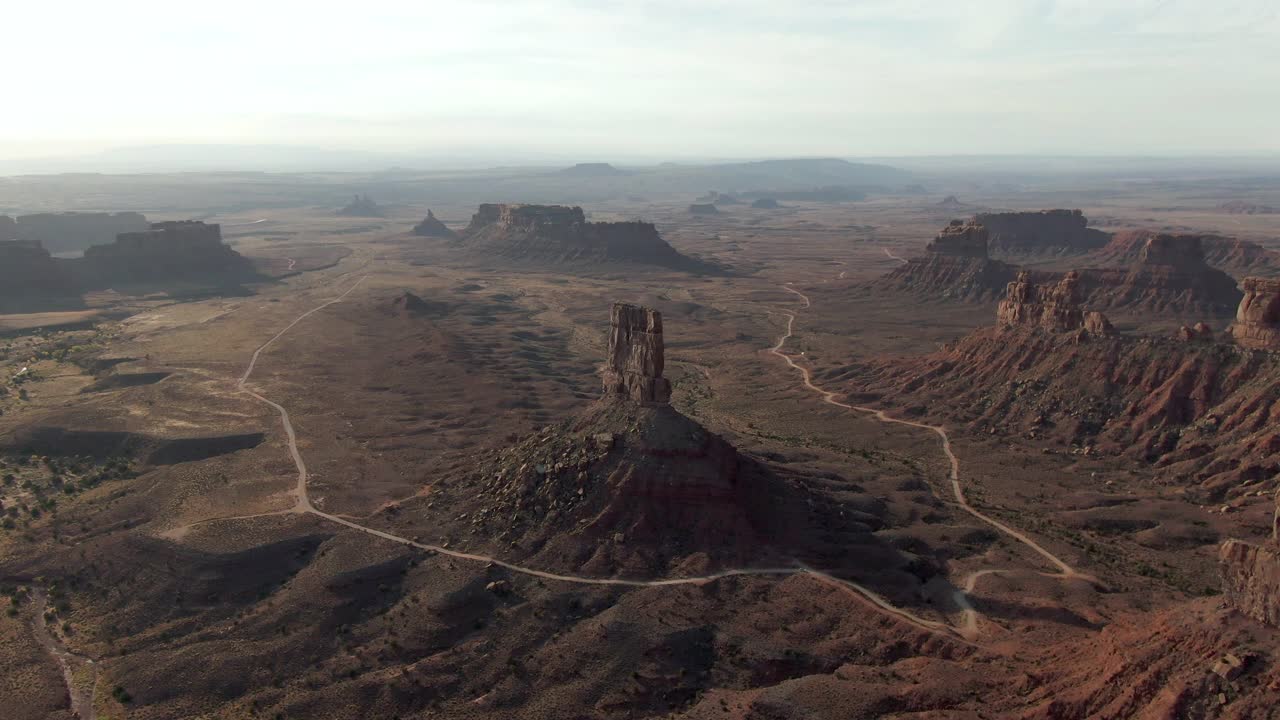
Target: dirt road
303	505
968	627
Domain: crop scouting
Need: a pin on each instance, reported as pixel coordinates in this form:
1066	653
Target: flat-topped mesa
167	251
1170	249
633	368
526	217
1054	307
560	234
961	239
1052	232
1257	324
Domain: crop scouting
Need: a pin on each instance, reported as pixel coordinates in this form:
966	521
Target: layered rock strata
634	365
1045	232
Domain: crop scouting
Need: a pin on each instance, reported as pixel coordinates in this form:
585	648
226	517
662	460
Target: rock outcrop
432	227
187	250
1168	276
1257	324
955	266
703	209
70	232
1251	578
560	234
634	365
961	239
1053	306
1201	411
1236	257
765	203
362	206
1042	233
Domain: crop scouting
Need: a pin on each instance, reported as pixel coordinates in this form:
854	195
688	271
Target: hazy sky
663	78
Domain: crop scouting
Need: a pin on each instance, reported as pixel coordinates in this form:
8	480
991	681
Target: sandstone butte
634	365
432	227
955	265
1257	324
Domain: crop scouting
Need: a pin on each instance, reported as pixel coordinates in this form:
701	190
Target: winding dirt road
969	625
303	505
891	256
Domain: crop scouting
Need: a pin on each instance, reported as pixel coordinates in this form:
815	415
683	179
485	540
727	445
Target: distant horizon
286	158
658	78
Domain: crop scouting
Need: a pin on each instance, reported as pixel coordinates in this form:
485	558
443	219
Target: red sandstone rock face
1251	579
633	367
1205	412
1034	234
1054	307
1257	323
961	239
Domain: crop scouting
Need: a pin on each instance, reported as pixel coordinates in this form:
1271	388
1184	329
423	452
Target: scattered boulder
1198	332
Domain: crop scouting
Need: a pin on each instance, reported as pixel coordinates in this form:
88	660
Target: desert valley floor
381	480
